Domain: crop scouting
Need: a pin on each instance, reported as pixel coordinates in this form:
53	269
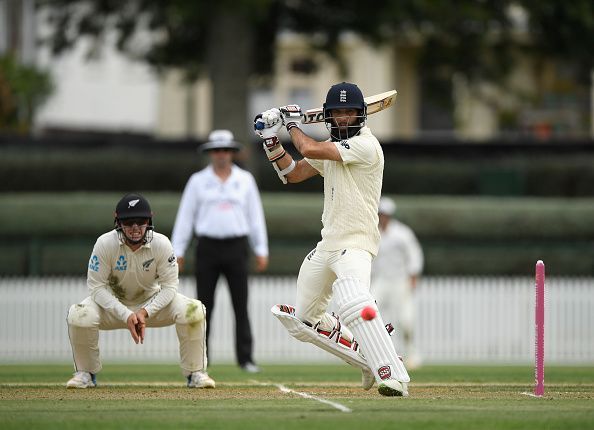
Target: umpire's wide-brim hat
220	139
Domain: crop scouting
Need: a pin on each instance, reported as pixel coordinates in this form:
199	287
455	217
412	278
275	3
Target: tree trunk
230	65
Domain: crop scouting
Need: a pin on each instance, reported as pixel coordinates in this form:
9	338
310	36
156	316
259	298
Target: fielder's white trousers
395	300
318	272
87	318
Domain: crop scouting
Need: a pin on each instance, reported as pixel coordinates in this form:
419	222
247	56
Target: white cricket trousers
87	318
395	300
318	272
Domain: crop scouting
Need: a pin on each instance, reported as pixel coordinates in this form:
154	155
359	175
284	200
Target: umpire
221	207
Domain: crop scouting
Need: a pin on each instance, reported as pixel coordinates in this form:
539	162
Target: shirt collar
212	173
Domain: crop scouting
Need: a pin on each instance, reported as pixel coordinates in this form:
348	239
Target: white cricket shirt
352	190
400	254
119	277
220	209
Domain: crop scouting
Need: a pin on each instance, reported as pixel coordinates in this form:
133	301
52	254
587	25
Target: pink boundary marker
539	321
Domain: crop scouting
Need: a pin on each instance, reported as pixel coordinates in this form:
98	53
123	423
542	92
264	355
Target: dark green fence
562	169
478	208
53	233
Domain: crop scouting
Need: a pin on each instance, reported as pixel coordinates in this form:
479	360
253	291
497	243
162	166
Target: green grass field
154	397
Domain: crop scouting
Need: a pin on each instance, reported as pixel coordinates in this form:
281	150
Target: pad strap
304	333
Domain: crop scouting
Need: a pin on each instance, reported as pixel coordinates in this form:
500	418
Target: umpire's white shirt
352	190
220	209
119	277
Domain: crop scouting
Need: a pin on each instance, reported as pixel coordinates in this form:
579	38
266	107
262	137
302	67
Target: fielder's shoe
367	379
392	387
250	367
82	380
200	379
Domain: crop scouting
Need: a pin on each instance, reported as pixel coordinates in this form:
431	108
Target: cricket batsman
351	163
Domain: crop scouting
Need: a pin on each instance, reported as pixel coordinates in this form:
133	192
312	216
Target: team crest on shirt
171	259
147	264
345	144
121	264
94	263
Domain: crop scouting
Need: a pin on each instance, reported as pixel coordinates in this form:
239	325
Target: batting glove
268	123
273	148
292	116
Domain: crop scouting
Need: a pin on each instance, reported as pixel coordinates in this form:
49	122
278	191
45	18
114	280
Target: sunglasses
141	222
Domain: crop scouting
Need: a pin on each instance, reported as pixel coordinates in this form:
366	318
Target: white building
117	94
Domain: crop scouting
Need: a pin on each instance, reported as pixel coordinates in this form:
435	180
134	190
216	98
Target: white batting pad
376	345
304	333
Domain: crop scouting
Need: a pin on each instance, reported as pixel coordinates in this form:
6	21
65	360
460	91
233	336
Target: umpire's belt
222	240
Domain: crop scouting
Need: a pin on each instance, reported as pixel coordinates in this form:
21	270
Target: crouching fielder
352	164
133	280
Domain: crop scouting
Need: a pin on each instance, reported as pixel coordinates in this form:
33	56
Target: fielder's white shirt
220	209
352	190
119	277
400	254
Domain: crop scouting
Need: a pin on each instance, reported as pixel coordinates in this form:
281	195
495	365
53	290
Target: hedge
410	169
53	233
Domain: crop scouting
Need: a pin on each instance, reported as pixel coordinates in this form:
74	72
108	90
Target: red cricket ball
368	313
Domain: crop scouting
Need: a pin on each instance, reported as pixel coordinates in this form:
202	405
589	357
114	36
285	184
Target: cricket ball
368	313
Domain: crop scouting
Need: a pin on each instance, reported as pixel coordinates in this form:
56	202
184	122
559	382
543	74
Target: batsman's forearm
299	139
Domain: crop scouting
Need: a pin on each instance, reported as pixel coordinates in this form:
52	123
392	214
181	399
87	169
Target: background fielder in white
395	274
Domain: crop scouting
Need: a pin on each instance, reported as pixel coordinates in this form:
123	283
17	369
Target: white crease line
531	395
284	389
178	384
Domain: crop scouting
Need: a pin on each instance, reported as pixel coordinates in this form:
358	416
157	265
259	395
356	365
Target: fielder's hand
291	115
136	324
132	324
141	316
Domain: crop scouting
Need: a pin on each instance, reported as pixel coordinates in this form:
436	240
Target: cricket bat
375	104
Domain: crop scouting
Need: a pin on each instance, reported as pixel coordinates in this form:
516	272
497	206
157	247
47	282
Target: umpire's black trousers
229	257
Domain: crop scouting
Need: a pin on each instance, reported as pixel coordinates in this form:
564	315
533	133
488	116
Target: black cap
133	205
344	95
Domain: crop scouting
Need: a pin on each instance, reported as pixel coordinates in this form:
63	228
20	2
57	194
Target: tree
230	40
23	89
201	37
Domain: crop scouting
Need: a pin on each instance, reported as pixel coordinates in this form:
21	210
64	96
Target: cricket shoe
367	379
82	380
200	379
392	387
